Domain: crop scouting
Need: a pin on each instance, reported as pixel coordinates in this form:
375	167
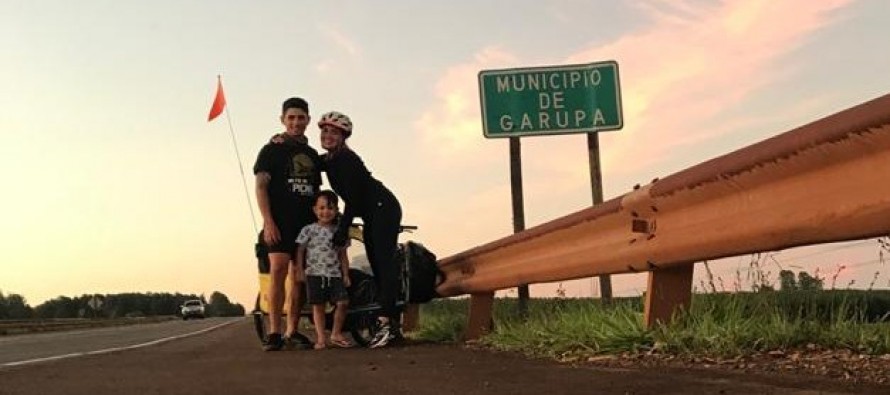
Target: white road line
115	349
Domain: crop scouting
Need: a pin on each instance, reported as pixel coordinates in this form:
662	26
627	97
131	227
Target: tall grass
560	326
442	320
715	324
737	324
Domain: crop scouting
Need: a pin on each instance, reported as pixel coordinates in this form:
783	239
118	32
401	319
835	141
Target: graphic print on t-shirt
321	259
300	175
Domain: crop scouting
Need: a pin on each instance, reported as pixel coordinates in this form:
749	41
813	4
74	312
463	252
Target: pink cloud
340	39
691	64
452	126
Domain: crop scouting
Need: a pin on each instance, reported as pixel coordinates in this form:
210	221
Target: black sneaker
274	342
297	341
385	334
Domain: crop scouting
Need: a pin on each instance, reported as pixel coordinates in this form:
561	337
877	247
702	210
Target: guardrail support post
411	317
669	290
479	321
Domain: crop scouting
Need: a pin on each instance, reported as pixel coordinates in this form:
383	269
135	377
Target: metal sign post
596	189
518	208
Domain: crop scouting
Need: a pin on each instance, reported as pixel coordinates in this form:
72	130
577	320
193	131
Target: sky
114	181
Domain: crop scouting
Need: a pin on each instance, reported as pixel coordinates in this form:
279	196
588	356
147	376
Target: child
287	177
326	271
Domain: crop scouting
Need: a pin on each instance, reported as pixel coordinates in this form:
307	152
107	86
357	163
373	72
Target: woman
366	198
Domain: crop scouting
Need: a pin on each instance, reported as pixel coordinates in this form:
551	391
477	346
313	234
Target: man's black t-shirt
295	170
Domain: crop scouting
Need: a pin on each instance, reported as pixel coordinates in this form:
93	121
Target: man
287	177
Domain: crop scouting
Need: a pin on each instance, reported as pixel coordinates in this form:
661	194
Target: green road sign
579	98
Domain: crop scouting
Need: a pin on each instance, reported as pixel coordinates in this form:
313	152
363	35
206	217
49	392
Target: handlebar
402	228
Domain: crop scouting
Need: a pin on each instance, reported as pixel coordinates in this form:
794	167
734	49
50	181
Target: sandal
319	346
342	343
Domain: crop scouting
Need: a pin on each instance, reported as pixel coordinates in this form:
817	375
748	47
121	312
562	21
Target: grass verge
723	325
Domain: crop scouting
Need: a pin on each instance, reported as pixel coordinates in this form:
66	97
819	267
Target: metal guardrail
822	182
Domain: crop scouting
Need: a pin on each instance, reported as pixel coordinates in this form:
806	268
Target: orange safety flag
219	103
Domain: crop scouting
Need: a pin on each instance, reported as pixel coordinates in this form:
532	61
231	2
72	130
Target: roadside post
95	304
550	100
596	189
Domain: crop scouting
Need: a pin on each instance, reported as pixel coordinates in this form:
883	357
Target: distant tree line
14	306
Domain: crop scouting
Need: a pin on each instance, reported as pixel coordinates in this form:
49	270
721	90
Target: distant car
192	309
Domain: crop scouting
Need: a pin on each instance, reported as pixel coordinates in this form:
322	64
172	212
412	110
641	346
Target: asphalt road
228	360
33	348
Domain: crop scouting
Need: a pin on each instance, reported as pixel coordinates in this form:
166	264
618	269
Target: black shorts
323	290
287	244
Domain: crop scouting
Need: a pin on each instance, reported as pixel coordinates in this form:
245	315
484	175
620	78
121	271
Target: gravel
843	365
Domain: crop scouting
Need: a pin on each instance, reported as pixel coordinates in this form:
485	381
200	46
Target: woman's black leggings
381	236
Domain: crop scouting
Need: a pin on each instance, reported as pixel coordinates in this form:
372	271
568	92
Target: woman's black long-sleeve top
351	179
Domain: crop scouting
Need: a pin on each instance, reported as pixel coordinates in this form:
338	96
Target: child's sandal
342	343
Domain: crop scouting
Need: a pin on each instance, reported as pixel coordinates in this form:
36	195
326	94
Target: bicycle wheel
362	327
259	321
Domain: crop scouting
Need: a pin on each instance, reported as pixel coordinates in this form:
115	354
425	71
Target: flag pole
240	166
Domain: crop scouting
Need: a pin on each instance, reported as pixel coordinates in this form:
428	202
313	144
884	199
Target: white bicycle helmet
338	120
